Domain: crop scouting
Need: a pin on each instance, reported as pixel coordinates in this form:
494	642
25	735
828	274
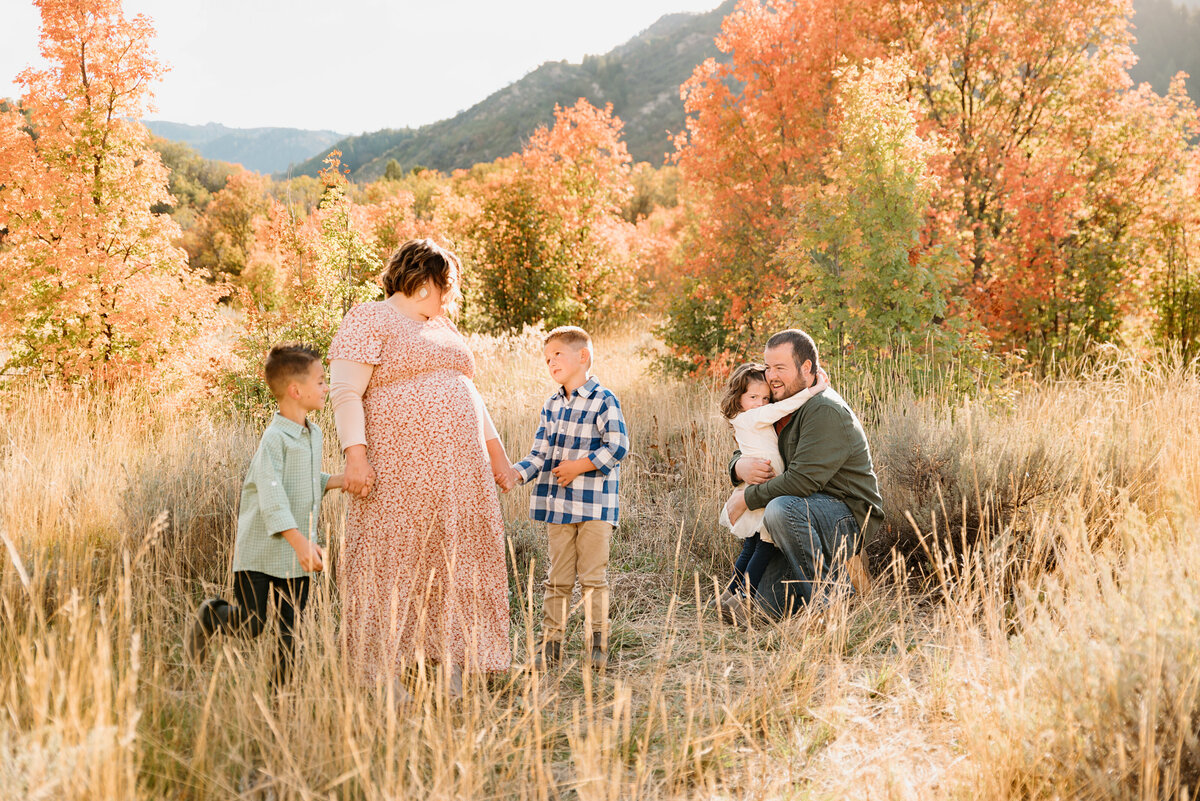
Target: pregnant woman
422	573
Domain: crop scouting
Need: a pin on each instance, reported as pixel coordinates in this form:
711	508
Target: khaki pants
577	550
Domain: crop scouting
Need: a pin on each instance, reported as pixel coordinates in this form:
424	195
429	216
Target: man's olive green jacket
825	450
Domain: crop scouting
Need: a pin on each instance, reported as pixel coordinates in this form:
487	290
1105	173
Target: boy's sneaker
548	655
599	657
211	617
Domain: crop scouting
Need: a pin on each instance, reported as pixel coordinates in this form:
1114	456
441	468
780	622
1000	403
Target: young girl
748	409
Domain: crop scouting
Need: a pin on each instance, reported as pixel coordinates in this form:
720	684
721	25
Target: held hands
568	471
359	475
507	478
735	507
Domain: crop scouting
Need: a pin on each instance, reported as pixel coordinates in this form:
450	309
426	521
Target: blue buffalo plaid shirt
586	423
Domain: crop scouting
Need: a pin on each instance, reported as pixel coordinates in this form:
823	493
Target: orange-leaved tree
544	231
322	265
1046	190
756	130
91	286
222	239
1032	99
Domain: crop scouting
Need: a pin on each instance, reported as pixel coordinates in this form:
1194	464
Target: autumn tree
856	260
1050	169
222	239
545	235
91	286
326	265
1054	160
756	129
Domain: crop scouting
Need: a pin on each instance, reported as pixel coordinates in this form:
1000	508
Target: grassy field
1032	632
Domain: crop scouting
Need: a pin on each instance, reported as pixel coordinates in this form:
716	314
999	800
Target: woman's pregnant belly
434	413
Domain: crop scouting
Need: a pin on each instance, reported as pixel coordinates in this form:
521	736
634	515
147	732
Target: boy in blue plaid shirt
576	459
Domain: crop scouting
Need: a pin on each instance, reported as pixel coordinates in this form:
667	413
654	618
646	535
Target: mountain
264	150
641	79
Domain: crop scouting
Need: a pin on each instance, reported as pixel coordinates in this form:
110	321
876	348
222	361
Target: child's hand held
506	479
822	382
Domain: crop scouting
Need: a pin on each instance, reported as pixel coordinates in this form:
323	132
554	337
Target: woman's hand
507	478
360	476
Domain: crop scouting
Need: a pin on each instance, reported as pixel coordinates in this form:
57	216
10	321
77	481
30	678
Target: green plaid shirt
282	490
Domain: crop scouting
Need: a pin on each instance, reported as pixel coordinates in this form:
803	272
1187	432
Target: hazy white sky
350	65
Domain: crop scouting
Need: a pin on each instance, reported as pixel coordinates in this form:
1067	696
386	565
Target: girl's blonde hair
739	381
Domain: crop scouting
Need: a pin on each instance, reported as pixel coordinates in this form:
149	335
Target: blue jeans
750	564
814	537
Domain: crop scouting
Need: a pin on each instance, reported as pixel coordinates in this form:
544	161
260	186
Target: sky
349	65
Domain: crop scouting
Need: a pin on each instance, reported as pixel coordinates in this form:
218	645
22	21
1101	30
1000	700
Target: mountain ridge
640	77
266	150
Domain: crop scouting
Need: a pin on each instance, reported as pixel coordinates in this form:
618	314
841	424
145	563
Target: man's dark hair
803	347
287	361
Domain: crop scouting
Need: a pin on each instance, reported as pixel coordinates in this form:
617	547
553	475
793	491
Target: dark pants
814	537
751	562
254	594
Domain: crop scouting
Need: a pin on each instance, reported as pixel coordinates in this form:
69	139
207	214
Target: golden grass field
1038	638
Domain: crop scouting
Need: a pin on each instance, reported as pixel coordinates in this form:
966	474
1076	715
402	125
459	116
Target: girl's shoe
735	609
715	603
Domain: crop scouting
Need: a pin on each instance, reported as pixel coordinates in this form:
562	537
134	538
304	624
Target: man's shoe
598	656
860	577
211	617
548	655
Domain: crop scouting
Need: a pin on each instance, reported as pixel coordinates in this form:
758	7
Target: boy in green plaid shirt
276	549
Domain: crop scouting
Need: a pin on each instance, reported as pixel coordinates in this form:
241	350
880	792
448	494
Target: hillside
263	150
640	78
1168	40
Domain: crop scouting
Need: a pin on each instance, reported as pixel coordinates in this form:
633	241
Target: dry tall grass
1049	648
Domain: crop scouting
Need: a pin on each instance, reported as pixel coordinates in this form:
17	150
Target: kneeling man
826	503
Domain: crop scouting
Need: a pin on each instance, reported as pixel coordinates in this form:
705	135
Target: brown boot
598	657
735	609
860	577
548	655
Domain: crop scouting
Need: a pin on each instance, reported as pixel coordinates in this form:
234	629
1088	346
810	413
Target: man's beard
787	390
